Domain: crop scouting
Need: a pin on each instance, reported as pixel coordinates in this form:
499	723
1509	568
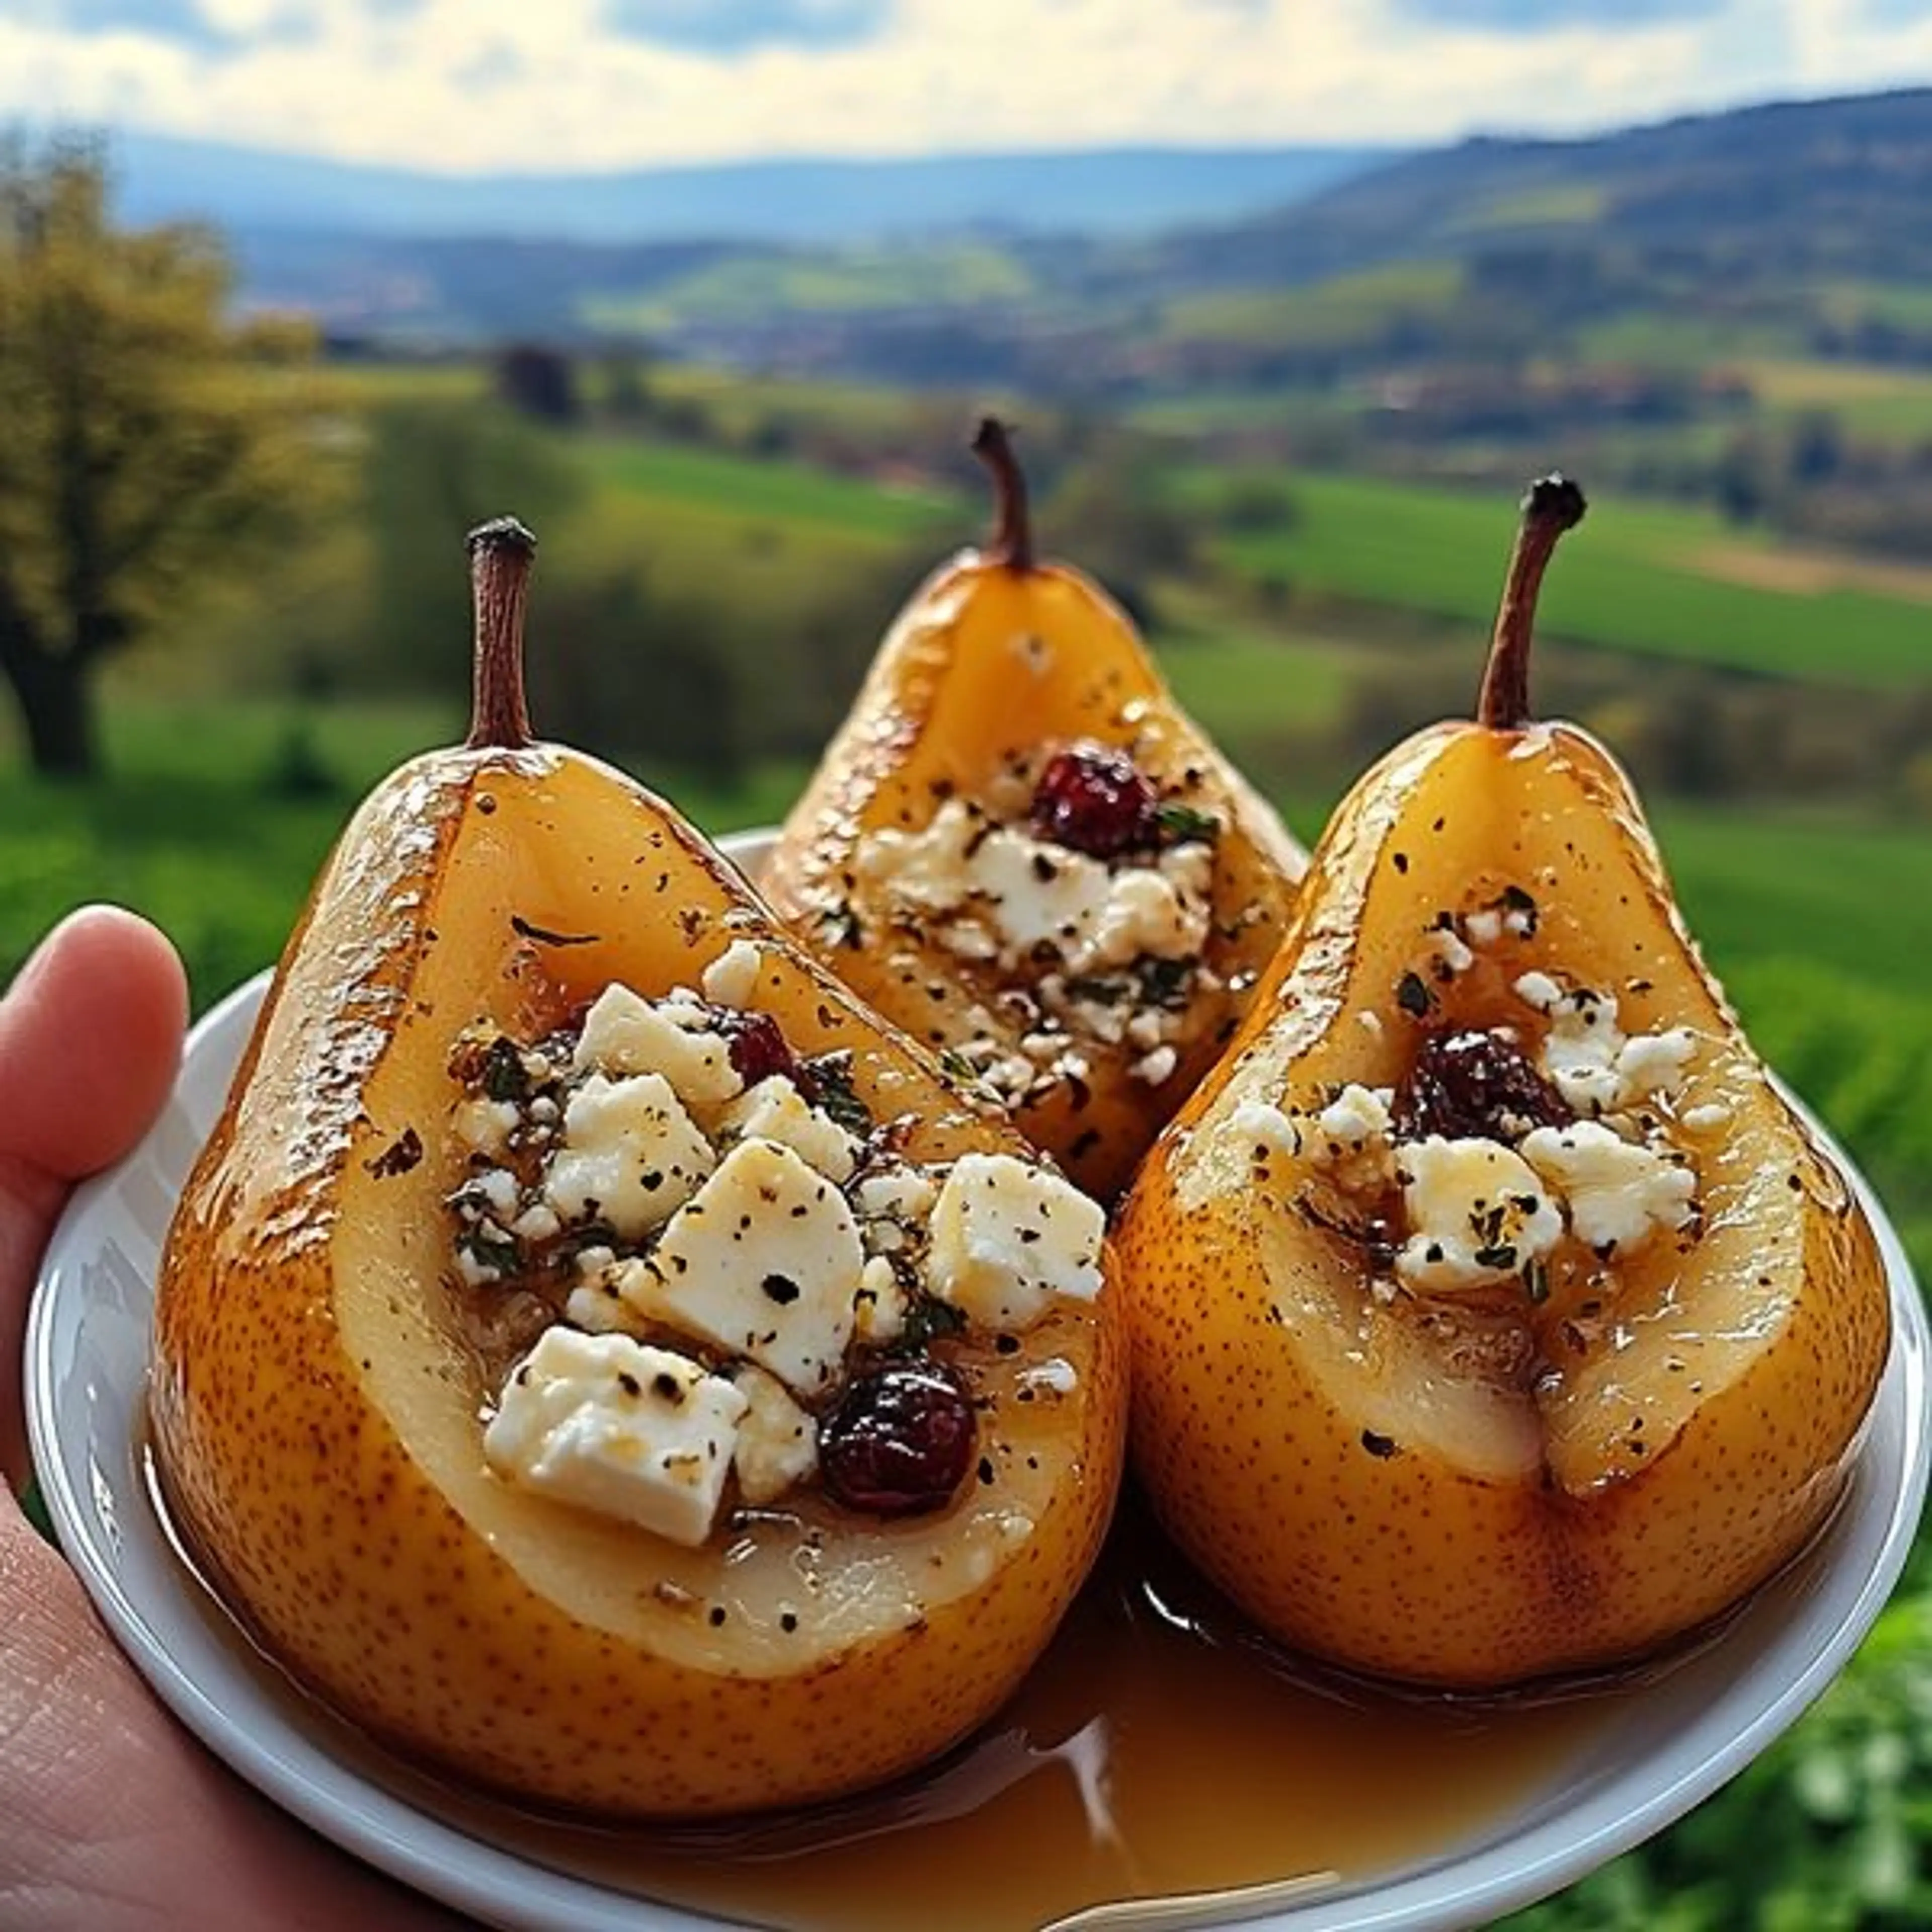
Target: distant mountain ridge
1839	185
1116	191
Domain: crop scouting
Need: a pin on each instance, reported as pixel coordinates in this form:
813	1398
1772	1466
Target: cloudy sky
467	85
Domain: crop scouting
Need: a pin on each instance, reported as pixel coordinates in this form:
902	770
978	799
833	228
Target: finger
90	1038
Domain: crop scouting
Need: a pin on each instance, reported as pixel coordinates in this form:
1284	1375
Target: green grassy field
752	491
752	287
1630	580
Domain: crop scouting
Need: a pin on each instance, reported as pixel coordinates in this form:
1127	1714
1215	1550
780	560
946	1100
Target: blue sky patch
1535	16
737	26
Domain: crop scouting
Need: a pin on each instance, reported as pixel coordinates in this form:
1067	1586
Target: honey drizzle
1161	1766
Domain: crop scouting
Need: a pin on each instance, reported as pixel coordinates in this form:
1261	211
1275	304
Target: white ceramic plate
1659	1750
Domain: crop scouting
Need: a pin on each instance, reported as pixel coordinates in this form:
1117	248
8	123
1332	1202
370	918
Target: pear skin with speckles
318	1398
1549	1473
996	661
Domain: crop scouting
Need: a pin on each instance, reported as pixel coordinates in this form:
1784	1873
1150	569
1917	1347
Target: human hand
111	1815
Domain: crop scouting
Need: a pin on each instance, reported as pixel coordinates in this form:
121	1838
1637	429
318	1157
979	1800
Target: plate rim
381	1825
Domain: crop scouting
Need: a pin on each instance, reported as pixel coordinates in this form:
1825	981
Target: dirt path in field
1809	573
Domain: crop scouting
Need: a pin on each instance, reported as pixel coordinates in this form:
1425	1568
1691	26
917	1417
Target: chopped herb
1413	995
828	1083
1381	1446
1502	1258
1180	823
1088	991
505	1075
1515	899
402	1154
928	1321
1164	982
489	1246
955	1063
543	936
1536	1280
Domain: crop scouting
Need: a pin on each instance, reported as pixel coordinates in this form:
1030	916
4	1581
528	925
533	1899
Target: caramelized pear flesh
1020	850
1587	1407
324	1369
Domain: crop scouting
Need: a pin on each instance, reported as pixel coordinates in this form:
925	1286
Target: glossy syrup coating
317	1409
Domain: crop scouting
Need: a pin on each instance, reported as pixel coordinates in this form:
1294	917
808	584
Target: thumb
90	1038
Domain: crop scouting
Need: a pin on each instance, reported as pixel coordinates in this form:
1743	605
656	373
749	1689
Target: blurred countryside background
1280	368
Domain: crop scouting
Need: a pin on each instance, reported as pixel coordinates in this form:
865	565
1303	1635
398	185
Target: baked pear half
593	1352
1493	1314
1020	849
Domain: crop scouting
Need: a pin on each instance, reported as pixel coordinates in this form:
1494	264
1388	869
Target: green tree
140	453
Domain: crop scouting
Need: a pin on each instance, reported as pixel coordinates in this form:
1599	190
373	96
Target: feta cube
486	1126
610	1424
629	1155
1477	1213
1618	1193
897	1193
763	1261
778	1441
879	1308
1008	1237
731	979
775	1110
624	1032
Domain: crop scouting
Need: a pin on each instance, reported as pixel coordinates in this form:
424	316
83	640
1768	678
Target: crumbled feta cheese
899	1193
1057	1377
1350	1136
1538	990
1447	948
624	1032
477	1271
629	1155
598	1308
777	1442
1484	928
613	1425
1618	1194
1258	1124
1145	911
1026	892
731	979
1711	1118
494	1189
879	1308
485	1125
1653	1063
1357	1116
1580	1051
1154	1067
775	1110
925	869
1477	1213
1008	1237
764	1261
537	1222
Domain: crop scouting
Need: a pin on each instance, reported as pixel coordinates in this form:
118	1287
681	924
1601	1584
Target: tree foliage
138	458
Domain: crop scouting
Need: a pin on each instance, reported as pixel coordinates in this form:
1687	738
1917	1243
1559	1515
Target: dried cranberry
1468	1086
759	1048
900	1441
1092	799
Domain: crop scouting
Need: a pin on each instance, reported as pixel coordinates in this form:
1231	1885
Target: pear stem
500	555
1552	505
1012	543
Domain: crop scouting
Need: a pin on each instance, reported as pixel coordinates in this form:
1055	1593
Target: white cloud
476	84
